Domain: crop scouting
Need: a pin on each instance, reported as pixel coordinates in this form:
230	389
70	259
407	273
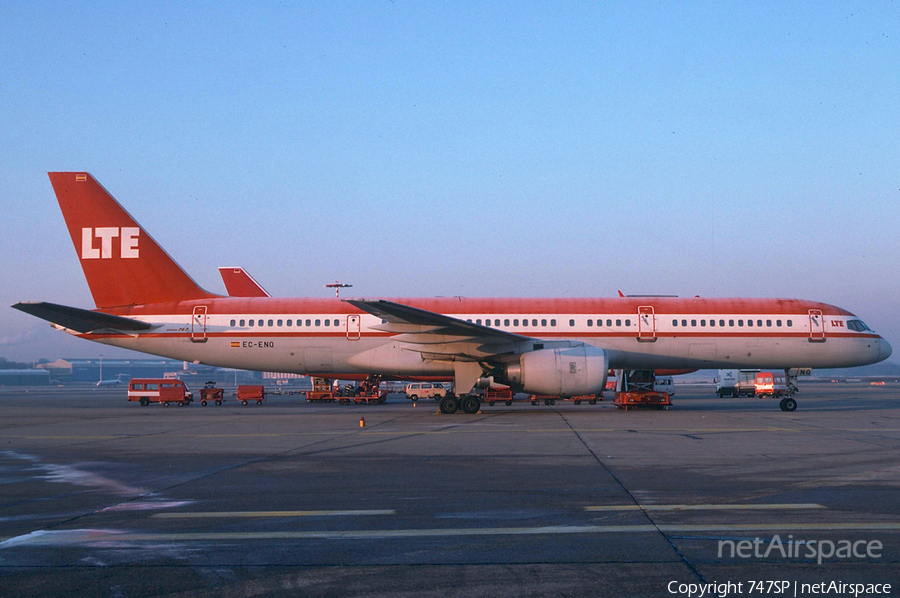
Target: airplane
560	347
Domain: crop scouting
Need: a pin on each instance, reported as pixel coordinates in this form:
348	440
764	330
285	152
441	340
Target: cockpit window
857	325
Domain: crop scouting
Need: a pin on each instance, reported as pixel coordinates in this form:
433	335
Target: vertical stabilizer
122	263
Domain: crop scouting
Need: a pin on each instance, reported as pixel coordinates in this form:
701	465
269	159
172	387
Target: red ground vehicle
210	393
494	394
251	392
368	391
770	385
159	390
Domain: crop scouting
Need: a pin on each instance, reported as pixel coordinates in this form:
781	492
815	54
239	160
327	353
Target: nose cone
884	349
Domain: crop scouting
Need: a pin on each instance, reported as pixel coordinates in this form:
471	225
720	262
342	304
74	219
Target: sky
528	149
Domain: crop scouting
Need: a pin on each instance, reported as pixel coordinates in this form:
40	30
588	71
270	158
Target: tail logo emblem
128	242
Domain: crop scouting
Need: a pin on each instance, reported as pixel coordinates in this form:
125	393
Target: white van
424	390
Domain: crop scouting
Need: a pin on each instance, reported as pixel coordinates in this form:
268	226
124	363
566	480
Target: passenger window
233	323
152	386
516	322
318	322
740	322
137	386
628	322
721	322
271	323
684	322
768	322
618	322
337	322
712	322
280	322
693	322
534	322
703	323
749	322
590	323
328	322
506	322
609	323
553	322
674	322
731	323
290	322
543	322
478	321
309	322
524	322
571	322
260	322
759	323
778	322
252	322
242	322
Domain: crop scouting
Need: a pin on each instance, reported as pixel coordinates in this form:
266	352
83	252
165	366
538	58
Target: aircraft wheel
788	405
144	401
449	405
471	404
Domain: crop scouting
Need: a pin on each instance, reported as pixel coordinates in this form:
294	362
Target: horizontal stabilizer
80	320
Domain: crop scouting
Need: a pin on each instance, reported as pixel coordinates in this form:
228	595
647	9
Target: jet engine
563	372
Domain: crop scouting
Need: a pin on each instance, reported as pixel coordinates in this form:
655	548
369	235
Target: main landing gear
469	404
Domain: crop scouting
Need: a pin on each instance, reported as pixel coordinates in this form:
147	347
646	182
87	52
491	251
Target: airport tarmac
101	497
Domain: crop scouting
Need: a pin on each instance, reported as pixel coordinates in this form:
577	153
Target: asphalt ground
102	497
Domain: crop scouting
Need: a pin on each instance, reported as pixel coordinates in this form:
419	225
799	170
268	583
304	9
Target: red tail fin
239	283
122	263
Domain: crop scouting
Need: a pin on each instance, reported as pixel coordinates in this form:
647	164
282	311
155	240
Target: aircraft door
198	324
353	328
816	326
646	323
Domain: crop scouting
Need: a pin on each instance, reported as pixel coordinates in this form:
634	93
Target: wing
438	336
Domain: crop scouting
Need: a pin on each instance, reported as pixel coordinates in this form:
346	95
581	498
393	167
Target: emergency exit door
198	324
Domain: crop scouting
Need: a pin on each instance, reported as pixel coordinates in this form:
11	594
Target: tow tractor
635	390
368	391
